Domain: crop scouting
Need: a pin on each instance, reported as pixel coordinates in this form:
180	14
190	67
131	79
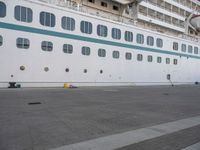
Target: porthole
101	71
67	69
85	70
22	68
46	69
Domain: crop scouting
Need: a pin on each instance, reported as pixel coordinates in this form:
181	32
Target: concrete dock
100	118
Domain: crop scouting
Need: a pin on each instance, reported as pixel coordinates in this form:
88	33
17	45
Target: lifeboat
125	2
195	22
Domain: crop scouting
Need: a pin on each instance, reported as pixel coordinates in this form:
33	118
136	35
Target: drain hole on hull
34	103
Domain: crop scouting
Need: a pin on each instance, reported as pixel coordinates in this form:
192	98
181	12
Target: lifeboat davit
195	22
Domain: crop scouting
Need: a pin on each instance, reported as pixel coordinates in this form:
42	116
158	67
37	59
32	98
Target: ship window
159	43
91	1
116	54
175	46
86	50
115	8
68	48
23	43
183	48
47	19
116	33
128	56
196	50
86	27
139	57
102	52
150	40
149	58
47	46
128	36
103	4
159	59
140	38
175	61
102	30
190	49
2	10
68	23
167	60
1	40
23	14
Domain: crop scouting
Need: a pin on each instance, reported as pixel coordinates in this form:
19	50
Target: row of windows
68	48
185	48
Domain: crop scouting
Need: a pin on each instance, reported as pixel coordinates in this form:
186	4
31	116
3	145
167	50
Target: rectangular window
1	40
175	61
116	54
128	36
2	10
91	1
190	49
140	39
68	23
23	14
167	60
86	27
196	50
68	48
116	33
149	58
47	19
183	48
159	43
102	30
116	8
47	46
175	46
102	52
128	56
150	41
104	4
23	43
85	50
159	59
139	57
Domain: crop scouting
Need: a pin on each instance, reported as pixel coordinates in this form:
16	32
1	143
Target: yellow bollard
66	85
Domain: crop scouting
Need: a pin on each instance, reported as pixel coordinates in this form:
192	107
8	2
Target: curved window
190	49
102	52
139	57
86	51
1	40
23	43
128	56
68	48
102	30
183	48
86	27
68	23
47	46
175	46
23	14
196	50
150	41
128	36
140	39
149	58
159	43
47	19
159	59
116	33
2	9
116	54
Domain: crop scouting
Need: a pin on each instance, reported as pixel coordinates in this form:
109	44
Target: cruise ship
51	43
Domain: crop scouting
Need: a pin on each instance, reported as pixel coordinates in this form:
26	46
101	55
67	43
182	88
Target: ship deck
151	117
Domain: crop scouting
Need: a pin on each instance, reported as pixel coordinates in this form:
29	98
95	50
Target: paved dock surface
55	118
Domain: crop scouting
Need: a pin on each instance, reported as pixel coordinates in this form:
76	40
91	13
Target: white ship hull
101	71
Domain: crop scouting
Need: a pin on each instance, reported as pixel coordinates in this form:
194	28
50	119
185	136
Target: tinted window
139	57
86	27
150	40
183	48
1	40
68	23
196	51
23	14
47	46
159	43
116	54
149	58
175	61
102	52
175	46
190	49
167	60
140	38
102	30
128	36
2	10
85	50
116	33
128	56
47	19
159	59
22	43
68	48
